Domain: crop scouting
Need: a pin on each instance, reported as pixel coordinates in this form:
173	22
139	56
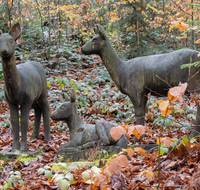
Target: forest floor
98	98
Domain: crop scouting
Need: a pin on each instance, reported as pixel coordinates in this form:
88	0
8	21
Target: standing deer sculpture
25	86
81	134
137	77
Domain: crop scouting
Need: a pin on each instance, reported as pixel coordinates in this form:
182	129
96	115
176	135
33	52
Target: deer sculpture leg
139	106
24	125
14	118
45	112
36	129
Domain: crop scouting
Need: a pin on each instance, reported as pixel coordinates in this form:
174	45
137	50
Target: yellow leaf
163	105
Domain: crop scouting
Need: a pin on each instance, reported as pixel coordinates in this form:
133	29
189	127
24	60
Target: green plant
46	171
64	180
14	177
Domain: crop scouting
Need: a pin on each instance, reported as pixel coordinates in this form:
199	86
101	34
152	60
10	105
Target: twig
160	95
192	183
181	8
157	165
193	75
172	186
164	81
182	160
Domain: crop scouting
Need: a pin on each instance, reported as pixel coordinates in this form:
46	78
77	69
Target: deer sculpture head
67	110
98	42
7	40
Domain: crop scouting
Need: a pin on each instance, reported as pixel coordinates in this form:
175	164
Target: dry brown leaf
122	160
117	132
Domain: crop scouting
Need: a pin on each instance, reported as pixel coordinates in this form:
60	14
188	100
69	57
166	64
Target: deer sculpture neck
74	121
101	45
112	62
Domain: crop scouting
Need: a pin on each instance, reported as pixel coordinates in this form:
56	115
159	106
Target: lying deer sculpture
137	77
25	86
82	134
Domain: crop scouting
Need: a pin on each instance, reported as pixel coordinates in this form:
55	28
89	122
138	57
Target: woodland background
53	33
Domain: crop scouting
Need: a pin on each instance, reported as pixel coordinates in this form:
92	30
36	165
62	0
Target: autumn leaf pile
174	164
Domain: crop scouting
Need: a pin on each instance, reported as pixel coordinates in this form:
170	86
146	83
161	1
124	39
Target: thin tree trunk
49	48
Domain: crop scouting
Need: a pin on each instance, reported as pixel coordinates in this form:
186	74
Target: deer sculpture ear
96	30
15	31
65	97
1	32
101	31
73	96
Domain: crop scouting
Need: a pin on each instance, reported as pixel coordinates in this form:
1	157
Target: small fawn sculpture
25	86
81	134
137	77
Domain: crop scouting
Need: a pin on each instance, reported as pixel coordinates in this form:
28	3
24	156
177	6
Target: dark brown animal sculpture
25	86
137	77
81	134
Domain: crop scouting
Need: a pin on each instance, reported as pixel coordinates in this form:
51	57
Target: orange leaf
149	131
140	129
3	15
130	130
99	178
181	29
156	103
140	150
166	140
197	41
135	132
166	112
130	152
178	90
149	174
113	166
117	132
8	24
171	98
185	26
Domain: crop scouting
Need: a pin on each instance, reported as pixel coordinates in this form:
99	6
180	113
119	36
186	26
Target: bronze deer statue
138	76
25	86
81	134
